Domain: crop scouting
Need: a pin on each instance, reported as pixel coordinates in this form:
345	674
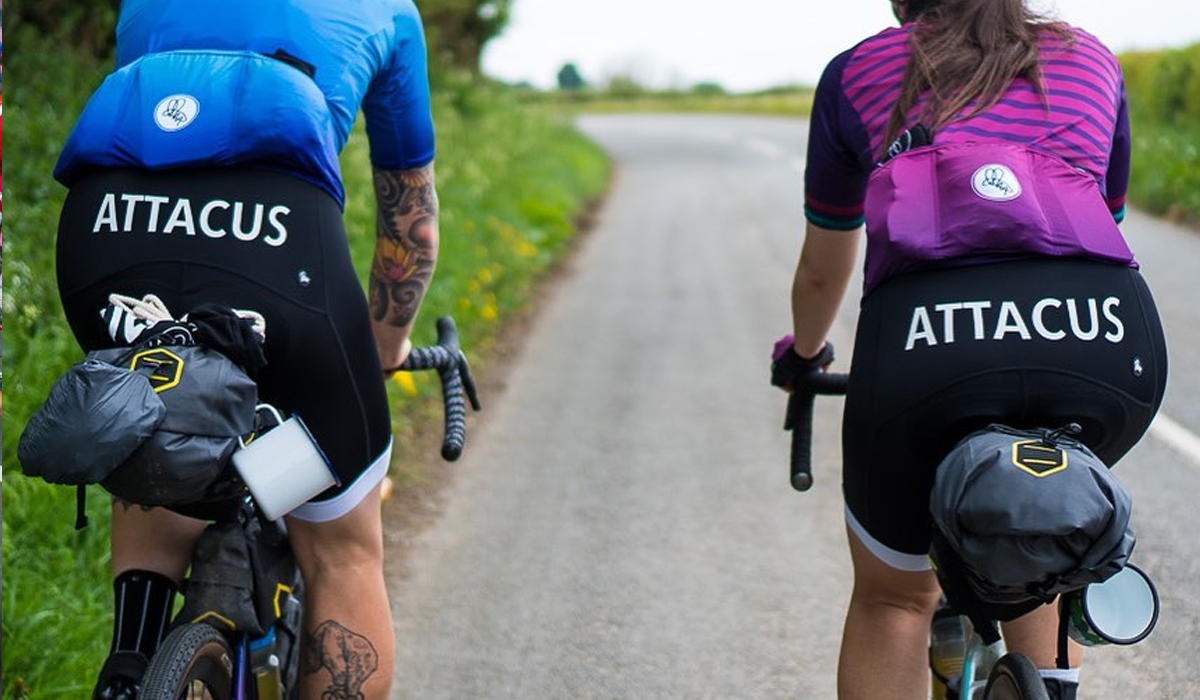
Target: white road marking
765	148
1177	437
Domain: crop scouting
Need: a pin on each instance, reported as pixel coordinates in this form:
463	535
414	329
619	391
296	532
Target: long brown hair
965	53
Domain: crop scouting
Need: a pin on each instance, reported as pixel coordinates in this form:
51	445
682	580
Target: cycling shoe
121	676
1061	690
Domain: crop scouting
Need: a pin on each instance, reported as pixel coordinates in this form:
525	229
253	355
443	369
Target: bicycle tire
1014	677
194	661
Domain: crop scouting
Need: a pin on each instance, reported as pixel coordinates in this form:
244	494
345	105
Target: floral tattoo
406	250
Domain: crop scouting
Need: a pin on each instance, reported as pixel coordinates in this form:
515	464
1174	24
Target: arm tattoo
349	658
406	249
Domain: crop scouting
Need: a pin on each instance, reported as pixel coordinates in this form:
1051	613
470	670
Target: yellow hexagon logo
1038	458
162	367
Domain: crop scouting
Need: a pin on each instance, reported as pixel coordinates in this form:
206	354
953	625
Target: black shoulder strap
295	62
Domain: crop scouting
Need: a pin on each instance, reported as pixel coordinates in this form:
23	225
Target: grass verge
784	102
511	184
1165	177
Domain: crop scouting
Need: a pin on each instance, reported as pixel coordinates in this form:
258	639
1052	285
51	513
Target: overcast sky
752	44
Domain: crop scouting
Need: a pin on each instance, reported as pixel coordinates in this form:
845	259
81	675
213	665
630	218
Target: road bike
1122	610
203	658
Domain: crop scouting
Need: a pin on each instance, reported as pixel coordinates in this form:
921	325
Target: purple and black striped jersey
1082	120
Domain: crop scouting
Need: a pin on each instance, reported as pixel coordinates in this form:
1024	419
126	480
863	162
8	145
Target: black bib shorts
1030	343
252	239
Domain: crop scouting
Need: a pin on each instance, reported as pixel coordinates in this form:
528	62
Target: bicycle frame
239	653
978	661
242	690
245	683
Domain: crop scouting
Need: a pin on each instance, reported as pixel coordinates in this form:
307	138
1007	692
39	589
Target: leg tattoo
349	657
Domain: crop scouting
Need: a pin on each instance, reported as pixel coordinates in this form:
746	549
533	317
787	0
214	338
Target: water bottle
264	663
947	646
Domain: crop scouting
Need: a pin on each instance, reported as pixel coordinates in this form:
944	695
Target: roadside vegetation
512	183
627	96
1164	101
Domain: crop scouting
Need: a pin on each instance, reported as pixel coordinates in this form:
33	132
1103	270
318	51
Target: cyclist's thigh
1031	343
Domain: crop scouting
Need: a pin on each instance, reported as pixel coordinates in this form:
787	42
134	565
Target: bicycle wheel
1014	677
193	663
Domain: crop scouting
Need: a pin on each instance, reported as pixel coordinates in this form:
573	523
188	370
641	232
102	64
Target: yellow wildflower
405	380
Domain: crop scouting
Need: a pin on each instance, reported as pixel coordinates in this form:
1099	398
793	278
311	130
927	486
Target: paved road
622	526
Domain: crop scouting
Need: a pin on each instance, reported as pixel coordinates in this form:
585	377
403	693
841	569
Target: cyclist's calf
348	646
1036	636
152	539
328	549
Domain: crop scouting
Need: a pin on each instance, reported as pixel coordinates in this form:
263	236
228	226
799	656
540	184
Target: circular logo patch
996	182
176	112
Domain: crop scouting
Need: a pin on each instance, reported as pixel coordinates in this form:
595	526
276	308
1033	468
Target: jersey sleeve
1116	180
835	178
396	106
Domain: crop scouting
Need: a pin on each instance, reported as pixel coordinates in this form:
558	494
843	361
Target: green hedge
1164	86
1164	103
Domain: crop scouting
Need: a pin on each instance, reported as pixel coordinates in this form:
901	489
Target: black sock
1059	689
143	601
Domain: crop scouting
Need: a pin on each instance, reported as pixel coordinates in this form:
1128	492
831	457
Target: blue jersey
264	83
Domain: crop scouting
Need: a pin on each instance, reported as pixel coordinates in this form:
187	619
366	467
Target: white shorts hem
897	560
346	501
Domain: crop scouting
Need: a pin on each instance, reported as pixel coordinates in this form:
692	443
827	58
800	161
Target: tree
458	30
85	24
708	89
569	79
625	87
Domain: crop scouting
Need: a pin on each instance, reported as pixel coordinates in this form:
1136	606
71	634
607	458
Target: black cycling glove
788	365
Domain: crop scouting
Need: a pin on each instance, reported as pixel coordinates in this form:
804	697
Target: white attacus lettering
1010	321
1117	334
181	216
119	213
1045	316
1073	315
107	216
977	308
238	232
920	329
273	217
206	212
155	202
1039	319
947	311
131	200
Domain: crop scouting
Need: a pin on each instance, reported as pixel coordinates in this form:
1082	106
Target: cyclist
986	152
204	169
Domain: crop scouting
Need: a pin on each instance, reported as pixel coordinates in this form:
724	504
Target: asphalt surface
622	526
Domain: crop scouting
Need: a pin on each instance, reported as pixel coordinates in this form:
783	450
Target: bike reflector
1122	610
